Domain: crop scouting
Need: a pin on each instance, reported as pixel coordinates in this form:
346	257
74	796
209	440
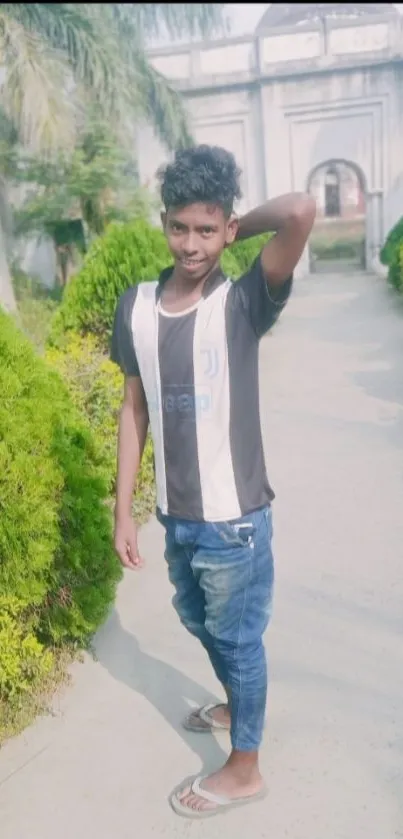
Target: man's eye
207	231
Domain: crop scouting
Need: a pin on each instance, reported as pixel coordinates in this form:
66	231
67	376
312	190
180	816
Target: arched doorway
338	240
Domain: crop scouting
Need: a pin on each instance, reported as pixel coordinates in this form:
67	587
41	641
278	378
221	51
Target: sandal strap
205	715
211	797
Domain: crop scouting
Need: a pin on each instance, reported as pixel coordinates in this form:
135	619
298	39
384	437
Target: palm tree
54	57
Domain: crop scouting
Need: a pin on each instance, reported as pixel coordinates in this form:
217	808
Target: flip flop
222	804
204	714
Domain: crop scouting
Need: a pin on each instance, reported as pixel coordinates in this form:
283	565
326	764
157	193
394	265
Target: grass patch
36	308
340	249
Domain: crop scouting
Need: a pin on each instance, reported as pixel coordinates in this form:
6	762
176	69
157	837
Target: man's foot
219	792
209	718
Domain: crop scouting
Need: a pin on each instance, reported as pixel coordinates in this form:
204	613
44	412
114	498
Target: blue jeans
223	578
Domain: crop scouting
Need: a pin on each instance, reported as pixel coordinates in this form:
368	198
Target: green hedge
24	662
57	567
127	254
96	386
391	255
246	251
397	277
393	240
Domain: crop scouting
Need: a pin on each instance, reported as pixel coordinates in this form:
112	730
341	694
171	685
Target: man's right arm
133	427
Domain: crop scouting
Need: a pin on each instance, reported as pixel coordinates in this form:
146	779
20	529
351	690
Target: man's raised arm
290	217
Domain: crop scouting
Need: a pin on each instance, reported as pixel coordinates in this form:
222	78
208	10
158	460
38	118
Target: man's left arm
290	217
267	285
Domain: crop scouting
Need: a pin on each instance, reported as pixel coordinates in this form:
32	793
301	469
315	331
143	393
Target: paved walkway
332	402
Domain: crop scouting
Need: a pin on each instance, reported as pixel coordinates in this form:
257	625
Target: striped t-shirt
199	370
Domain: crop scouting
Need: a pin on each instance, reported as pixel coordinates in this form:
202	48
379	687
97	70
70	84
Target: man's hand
126	543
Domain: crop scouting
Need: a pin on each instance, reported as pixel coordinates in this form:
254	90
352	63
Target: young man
188	346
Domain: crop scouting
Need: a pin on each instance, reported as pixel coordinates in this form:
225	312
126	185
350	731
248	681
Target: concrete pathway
103	765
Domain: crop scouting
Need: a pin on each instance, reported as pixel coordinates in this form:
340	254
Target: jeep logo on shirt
186	404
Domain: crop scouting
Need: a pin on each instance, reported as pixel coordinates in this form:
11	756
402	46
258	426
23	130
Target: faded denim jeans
223	578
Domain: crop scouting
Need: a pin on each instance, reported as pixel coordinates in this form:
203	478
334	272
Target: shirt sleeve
122	346
262	305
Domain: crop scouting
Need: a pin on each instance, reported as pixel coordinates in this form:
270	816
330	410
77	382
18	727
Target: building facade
320	98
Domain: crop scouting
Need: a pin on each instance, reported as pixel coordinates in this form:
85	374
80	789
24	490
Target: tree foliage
58	59
50	51
74	197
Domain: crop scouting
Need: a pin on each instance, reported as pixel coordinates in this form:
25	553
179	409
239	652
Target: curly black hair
207	174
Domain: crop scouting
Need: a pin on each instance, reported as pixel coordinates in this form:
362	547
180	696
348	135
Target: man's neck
184	287
179	293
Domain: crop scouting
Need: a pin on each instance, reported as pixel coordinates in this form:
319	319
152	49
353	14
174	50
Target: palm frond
81	33
173	19
163	106
34	92
104	44
149	92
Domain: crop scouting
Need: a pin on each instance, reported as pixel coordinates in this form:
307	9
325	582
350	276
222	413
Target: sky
244	18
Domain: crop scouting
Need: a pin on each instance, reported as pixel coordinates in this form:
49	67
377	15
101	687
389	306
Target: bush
24	662
396	271
56	556
394	239
127	254
390	255
230	265
96	385
246	250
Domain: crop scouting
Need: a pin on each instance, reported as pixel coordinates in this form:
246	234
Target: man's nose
190	245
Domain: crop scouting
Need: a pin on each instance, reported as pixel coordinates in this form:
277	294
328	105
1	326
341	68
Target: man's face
197	235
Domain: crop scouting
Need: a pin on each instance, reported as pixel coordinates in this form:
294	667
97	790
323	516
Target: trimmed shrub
230	265
237	259
56	556
24	662
395	271
393	241
96	386
246	250
397	277
390	255
125	255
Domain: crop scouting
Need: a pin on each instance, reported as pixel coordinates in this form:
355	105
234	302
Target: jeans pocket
236	535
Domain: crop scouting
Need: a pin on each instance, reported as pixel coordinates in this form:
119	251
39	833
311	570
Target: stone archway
339	240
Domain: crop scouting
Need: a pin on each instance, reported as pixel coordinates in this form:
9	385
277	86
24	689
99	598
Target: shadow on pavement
171	693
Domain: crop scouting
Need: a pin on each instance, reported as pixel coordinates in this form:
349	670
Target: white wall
311	106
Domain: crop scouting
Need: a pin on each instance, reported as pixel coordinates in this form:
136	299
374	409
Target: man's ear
232	230
163	219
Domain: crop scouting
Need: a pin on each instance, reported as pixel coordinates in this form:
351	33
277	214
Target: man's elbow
303	211
134	412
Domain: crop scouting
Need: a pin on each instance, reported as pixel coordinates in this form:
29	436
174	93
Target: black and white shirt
199	370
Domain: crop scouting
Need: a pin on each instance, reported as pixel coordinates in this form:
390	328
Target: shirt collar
216	278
